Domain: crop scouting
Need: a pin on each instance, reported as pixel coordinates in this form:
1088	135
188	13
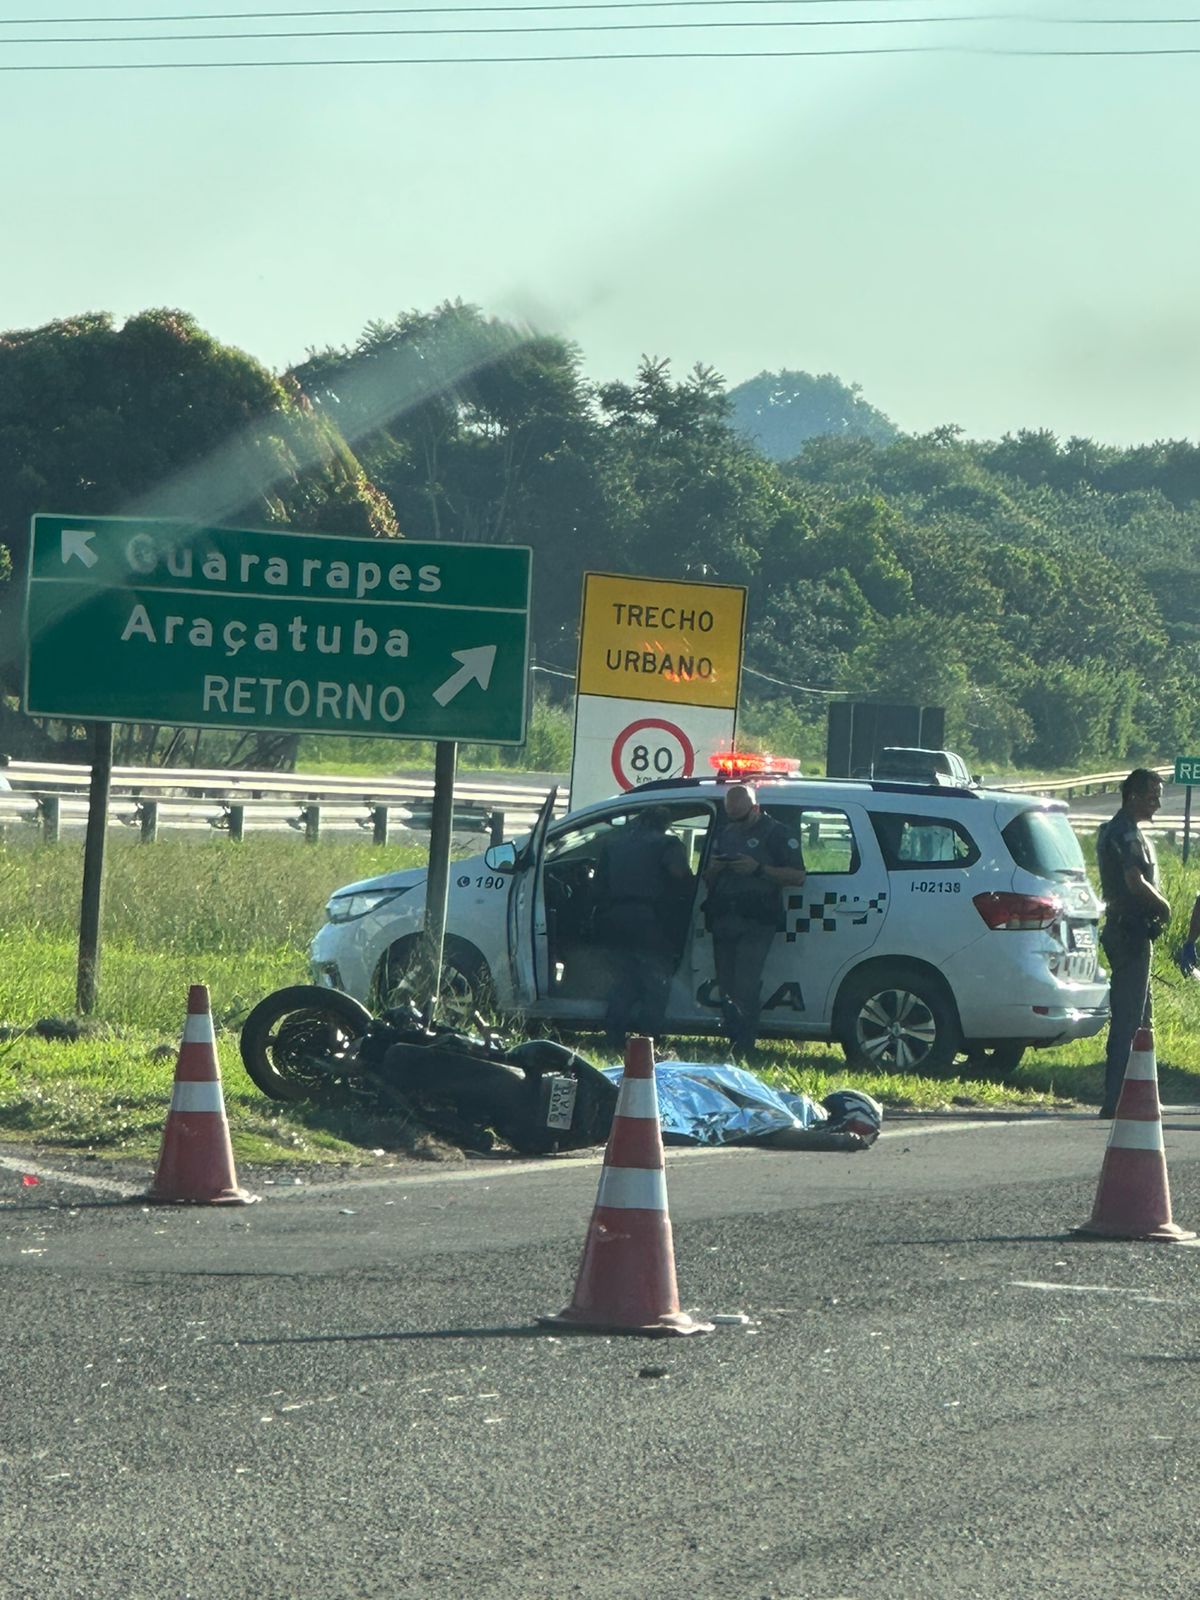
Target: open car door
527	911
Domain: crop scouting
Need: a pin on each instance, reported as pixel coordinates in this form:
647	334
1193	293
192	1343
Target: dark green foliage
779	412
157	418
1051	589
475	430
1047	593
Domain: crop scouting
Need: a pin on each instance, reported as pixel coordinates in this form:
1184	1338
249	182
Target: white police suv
934	921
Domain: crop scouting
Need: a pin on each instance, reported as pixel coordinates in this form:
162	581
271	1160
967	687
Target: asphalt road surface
340	1392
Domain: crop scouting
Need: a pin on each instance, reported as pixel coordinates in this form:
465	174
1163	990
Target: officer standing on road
752	860
641	873
1135	914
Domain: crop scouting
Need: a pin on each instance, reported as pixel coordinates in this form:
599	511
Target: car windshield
1044	842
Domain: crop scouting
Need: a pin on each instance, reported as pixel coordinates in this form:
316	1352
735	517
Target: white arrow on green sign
161	621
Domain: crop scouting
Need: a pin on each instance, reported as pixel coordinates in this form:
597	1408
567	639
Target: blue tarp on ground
702	1102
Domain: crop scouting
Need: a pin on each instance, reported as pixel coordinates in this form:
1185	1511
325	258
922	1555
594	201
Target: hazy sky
998	241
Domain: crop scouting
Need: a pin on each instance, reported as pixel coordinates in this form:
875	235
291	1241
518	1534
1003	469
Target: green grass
235	917
239	918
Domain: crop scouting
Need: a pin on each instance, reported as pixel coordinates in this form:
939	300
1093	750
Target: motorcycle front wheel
298	1041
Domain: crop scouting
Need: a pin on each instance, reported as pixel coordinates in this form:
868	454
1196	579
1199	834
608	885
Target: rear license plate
560	1103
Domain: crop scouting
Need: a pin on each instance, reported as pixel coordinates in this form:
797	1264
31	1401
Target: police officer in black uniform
1135	914
752	860
641	875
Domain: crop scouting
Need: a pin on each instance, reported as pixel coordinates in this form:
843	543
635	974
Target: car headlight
348	907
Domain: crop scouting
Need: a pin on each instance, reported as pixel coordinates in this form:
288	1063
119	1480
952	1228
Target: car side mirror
501	857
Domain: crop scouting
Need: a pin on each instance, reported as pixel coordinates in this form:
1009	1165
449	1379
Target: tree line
1043	590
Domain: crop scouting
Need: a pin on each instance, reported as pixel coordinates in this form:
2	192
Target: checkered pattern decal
802	915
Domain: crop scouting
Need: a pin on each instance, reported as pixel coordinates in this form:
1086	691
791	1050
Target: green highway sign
1187	769
132	620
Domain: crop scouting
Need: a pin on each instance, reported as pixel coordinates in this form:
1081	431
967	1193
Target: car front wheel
893	1020
466	986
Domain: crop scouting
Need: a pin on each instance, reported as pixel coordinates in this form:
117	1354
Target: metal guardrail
237	802
1087	783
225	784
150	798
1169	828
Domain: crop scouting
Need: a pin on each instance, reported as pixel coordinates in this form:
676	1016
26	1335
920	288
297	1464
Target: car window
909	841
582	842
1044	842
826	837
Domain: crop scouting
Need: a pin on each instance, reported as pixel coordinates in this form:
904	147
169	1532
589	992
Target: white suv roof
787	786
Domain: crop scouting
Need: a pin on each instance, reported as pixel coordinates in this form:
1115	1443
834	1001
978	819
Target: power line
999	52
547	27
601	5
394	11
588	27
797	688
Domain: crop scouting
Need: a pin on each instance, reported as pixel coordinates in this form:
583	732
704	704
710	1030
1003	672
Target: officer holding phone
753	859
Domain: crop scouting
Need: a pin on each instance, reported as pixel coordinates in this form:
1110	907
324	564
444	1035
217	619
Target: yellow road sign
652	639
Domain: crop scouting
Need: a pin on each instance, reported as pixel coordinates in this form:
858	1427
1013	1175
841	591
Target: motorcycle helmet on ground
852	1111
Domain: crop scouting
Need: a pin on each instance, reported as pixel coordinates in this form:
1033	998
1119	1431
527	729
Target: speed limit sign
622	744
650	749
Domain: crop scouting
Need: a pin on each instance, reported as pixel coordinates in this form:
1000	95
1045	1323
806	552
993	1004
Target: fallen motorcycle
311	1043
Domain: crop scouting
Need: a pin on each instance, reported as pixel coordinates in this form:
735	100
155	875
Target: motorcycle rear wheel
295	1041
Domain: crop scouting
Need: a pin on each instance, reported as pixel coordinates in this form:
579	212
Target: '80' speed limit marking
649	750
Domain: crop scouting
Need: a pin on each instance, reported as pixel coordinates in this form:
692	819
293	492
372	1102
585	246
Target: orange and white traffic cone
1134	1199
196	1162
627	1277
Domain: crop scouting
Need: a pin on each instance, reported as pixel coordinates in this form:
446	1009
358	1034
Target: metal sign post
91	904
134	620
1187	823
437	884
1188	772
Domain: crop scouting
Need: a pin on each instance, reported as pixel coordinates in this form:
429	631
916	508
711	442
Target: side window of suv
826	837
912	842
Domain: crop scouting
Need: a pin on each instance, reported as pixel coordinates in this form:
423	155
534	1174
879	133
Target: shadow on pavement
528	1332
991	1238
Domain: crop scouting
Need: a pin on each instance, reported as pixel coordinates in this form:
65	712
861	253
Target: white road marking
77	1180
573	1163
966	1126
501	1169
1140	1295
496	1170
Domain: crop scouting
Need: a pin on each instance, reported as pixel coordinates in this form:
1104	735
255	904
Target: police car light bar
744	764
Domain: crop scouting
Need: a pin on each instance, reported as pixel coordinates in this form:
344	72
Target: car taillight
1019	912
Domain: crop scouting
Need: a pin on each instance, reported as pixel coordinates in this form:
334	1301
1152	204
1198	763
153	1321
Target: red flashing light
1017	913
744	764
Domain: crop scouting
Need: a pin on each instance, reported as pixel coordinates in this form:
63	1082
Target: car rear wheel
897	1020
